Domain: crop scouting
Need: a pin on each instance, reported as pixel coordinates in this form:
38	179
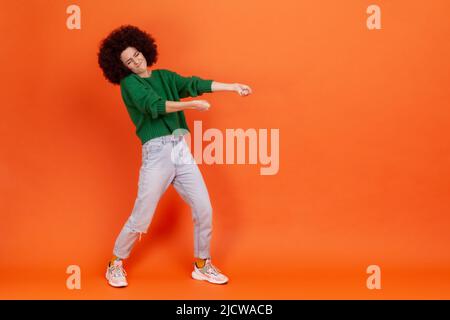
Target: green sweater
145	99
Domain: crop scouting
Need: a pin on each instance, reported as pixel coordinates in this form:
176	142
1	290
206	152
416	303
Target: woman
152	98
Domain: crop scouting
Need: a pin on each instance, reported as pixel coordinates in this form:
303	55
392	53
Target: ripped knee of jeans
131	228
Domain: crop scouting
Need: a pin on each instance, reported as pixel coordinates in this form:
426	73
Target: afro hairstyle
118	40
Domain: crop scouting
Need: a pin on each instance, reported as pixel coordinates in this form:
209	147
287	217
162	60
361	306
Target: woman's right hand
201	105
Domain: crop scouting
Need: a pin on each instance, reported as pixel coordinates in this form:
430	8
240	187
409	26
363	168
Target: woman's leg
190	185
156	173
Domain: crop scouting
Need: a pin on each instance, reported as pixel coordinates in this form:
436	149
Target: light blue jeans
167	160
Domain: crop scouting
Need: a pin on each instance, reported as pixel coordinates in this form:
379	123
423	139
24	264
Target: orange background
364	150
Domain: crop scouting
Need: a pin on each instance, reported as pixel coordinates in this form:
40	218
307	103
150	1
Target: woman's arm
194	86
174	106
219	86
242	89
203	105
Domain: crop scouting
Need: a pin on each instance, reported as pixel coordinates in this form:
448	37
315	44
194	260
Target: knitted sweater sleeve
191	86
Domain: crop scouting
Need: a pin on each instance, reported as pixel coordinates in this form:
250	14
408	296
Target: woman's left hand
242	89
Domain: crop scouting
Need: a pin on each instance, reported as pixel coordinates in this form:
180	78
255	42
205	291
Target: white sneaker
209	273
116	275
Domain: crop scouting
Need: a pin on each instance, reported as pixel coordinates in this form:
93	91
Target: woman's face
134	60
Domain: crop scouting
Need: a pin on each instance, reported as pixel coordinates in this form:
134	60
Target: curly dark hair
118	40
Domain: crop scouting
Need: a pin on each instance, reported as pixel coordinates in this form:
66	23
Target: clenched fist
242	89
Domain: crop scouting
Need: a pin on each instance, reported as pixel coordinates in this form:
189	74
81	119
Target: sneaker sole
200	277
115	285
